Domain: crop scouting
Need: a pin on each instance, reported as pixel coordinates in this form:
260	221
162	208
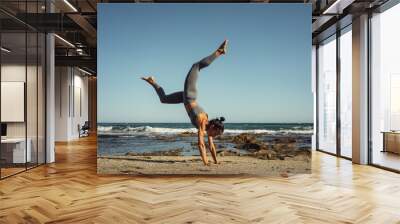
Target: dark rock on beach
244	138
278	148
285	140
248	142
224	138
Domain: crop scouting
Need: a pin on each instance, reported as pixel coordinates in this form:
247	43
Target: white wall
62	81
16	72
80	112
70	84
33	127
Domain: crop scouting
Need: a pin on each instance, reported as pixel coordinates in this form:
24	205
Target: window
327	95
22	87
346	92
385	89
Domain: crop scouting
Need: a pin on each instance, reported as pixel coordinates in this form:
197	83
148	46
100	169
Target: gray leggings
189	92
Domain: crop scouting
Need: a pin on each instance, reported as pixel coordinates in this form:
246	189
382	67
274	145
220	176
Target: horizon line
310	122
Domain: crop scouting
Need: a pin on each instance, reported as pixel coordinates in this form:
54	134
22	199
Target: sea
120	138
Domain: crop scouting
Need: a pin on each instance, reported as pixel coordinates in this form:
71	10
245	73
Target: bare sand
189	165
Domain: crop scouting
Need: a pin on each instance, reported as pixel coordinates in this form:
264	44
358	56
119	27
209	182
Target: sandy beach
147	152
179	165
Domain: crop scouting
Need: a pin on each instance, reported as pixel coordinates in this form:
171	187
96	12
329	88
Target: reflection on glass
327	95
346	93
31	100
22	90
41	98
15	150
385	93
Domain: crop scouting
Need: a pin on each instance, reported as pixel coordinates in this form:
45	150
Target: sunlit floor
8	171
70	191
5	172
386	159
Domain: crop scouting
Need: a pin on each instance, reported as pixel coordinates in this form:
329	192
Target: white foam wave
104	128
148	130
265	131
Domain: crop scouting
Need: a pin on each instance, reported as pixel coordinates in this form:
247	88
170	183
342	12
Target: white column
50	92
63	85
50	99
360	90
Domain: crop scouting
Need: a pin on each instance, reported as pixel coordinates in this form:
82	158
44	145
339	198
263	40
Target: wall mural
204	89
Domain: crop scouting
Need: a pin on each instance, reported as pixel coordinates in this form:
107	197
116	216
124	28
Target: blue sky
265	77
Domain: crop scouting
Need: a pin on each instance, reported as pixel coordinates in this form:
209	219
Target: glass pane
41	98
31	97
327	96
13	86
385	93
346	94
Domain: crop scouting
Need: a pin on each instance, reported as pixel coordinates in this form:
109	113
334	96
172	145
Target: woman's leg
207	60
190	90
173	98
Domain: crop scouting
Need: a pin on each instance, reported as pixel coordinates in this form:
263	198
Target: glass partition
32	95
385	89
327	95
346	92
41	97
22	78
14	151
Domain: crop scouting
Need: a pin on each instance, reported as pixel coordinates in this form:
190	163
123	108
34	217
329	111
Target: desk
391	141
13	150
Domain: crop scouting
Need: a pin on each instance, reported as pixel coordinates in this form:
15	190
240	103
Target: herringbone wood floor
70	191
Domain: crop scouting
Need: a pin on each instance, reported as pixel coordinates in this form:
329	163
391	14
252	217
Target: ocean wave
104	128
266	131
148	130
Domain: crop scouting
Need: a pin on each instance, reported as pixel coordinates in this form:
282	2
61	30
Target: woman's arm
201	144
212	149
